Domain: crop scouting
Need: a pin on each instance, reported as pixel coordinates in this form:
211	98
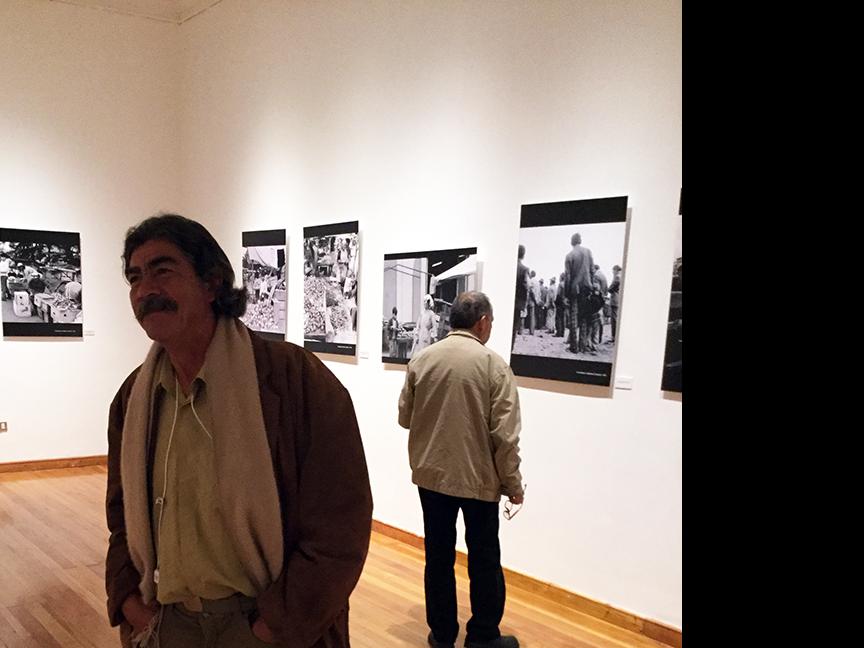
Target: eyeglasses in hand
509	511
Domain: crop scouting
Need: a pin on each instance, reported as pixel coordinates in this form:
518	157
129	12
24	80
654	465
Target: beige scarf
244	469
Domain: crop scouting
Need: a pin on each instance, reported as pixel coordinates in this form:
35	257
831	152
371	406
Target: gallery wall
428	122
431	123
89	131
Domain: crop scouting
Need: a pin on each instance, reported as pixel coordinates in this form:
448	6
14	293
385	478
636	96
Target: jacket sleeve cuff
122	586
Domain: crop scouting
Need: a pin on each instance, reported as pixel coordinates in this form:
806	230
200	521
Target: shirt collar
167	379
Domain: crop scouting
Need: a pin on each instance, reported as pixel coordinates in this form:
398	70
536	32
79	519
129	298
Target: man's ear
213	282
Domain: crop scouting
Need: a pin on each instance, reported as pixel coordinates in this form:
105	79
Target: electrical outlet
3	426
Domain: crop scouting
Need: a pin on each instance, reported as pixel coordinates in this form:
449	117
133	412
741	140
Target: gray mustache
154	304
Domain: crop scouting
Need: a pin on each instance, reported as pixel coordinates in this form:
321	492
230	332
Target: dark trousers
580	326
573	338
559	320
517	325
484	566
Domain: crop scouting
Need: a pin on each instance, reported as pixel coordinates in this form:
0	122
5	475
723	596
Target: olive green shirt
195	554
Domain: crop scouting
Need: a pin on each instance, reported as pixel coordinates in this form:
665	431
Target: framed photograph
264	272
419	289
569	280
673	362
331	274
40	283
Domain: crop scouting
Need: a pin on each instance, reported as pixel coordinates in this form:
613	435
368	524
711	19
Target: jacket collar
464	333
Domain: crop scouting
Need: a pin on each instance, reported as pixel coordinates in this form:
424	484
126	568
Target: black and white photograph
570	269
264	271
331	274
419	290
40	283
673	362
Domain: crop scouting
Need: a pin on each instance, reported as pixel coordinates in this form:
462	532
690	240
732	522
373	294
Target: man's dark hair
576	239
521	251
202	250
468	308
394	310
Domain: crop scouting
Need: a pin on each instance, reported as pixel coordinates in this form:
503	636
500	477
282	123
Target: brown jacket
324	495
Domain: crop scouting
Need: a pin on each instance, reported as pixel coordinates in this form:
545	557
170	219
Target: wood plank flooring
52	550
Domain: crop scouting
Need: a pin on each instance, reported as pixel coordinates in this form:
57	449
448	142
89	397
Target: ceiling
174	11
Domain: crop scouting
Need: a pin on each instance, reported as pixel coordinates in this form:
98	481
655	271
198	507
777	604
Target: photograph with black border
419	290
330	282
40	283
569	277
264	270
673	359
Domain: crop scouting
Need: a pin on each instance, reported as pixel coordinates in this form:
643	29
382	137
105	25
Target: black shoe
439	644
508	641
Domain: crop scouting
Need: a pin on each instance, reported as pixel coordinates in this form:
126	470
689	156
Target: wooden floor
52	549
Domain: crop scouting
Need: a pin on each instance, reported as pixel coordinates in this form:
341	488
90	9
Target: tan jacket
462	408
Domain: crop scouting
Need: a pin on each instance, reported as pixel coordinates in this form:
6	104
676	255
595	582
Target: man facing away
615	298
521	295
393	333
238	499
601	280
460	403
560	308
579	278
550	305
541	304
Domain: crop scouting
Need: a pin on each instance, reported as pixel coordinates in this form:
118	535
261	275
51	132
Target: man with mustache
238	497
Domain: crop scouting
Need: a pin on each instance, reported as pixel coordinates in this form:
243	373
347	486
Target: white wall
431	123
88	143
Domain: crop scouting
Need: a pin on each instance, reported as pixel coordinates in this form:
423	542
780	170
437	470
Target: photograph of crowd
330	268
673	362
264	271
40	283
419	289
570	269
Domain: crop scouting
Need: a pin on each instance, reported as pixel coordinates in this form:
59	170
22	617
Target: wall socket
3	426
